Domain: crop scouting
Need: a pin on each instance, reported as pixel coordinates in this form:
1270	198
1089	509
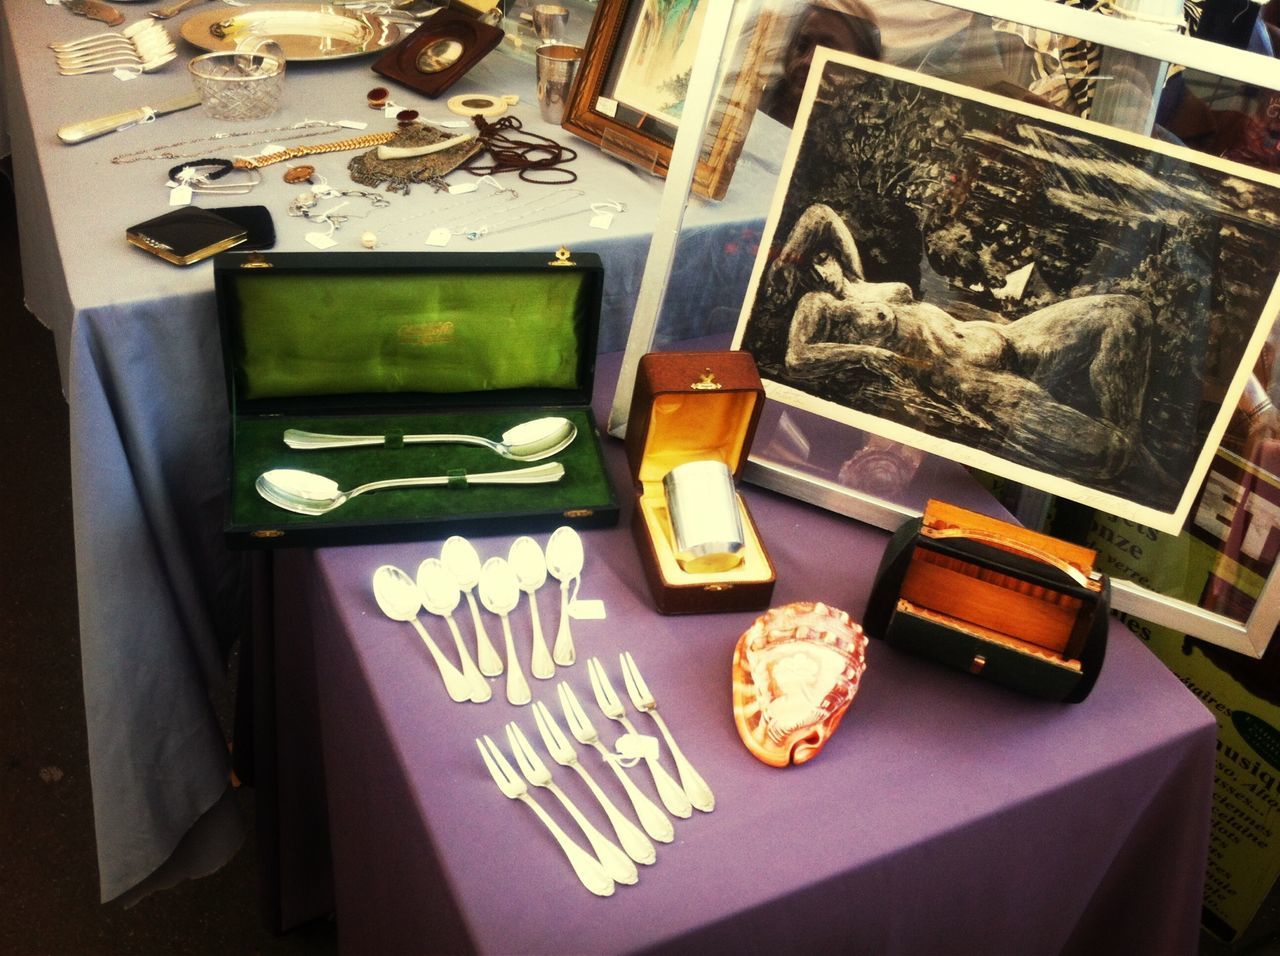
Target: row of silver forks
607	863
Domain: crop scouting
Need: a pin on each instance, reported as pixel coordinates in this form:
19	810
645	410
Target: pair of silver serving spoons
307	493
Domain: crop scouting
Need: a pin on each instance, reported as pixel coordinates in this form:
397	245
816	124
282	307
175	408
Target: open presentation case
406	344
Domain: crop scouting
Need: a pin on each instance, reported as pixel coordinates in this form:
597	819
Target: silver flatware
530	567
564	561
306	493
397	596
649	814
500	594
440	595
616	863
672	796
591	874
529	441
691	781
460	557
630	836
88	129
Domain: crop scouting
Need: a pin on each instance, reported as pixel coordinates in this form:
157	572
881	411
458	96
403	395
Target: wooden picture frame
618	100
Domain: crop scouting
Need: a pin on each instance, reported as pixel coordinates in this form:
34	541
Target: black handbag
1012	606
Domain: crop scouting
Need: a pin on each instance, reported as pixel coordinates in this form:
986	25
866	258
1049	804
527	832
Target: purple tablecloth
945	815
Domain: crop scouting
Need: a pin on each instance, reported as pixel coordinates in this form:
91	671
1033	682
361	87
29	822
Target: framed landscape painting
630	90
1053	301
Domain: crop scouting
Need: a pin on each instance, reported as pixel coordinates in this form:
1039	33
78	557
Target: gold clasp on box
717	587
266	533
255	260
579	513
706	381
977	664
562	258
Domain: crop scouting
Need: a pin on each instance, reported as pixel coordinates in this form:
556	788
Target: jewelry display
207	169
356	142
304	204
296	131
534	154
299	174
418	154
481	104
487	217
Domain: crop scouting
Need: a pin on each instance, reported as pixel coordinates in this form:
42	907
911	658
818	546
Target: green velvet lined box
397	344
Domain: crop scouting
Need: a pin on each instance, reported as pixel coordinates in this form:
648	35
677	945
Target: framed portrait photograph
630	90
1063	304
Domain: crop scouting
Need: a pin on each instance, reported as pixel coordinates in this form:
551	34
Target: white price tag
125	74
459	189
587	610
321	240
350	124
633	747
601	220
180	195
439	236
607	106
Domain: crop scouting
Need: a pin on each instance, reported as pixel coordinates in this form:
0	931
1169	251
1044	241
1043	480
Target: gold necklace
356	142
296	131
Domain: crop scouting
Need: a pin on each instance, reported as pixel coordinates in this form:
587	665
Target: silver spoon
527	561
460	557
564	561
440	595
500	593
311	494
529	441
397	596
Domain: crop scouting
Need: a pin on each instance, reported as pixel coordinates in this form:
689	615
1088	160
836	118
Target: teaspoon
564	561
397	596
530	567
500	593
529	441
440	595
460	557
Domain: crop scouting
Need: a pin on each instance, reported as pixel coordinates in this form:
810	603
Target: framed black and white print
1053	301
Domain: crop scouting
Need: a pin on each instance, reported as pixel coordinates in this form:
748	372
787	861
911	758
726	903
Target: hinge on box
255	260
562	258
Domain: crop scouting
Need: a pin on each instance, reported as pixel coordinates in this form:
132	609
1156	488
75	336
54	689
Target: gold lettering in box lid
426	333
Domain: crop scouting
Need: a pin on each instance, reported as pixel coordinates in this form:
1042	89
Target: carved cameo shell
795	672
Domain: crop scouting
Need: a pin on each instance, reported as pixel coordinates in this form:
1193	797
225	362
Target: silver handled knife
88	129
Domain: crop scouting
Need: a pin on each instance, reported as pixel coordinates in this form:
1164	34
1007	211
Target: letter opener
88	129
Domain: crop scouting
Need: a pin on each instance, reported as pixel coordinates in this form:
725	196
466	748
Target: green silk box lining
395	332
259	447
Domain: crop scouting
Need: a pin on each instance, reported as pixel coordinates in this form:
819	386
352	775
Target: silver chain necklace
296	131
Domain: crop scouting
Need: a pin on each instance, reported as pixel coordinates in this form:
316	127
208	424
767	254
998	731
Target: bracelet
358	142
220	168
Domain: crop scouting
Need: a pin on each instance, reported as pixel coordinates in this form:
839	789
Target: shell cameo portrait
795	672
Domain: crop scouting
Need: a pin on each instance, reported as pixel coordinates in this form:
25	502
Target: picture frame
627	96
970	329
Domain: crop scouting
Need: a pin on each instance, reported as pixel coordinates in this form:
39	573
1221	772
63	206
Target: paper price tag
125	74
459	189
607	106
351	124
180	196
321	240
633	747
439	236
601	220
587	610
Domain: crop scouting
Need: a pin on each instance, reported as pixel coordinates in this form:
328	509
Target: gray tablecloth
140	359
946	815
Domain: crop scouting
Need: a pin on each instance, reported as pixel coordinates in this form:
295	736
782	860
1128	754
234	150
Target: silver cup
550	21
705	518
557	65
